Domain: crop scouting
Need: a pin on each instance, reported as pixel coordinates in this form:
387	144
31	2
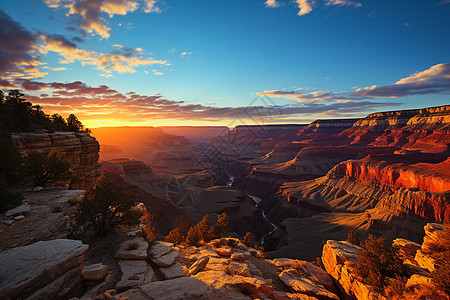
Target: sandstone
174	271
417	279
234	268
277	295
294	279
38	189
199	265
220	280
21	209
166	259
125	285
132	269
50	268
160	248
424	261
223	251
184	288
407	248
433	236
94	272
133	249
238	256
8	222
19	217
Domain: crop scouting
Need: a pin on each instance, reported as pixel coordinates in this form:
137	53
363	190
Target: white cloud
272	3
185	53
304	6
343	3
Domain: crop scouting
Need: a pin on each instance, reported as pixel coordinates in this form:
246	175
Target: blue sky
204	62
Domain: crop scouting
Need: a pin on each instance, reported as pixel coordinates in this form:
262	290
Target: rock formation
78	148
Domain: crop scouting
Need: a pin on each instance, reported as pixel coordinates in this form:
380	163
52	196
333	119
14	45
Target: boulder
50	269
167	259
424	261
198	265
94	272
224	251
278	295
136	268
18	210
184	288
417	279
174	271
238	256
160	248
294	279
220	280
234	268
133	249
125	285
406	247
19	217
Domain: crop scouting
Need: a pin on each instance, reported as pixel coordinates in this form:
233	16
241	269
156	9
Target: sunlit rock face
78	148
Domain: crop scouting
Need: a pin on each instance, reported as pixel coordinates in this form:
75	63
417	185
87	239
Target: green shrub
9	199
46	167
105	207
248	239
175	237
193	237
377	262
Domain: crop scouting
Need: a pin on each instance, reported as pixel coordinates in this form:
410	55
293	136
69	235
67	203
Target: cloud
59	69
435	80
158	73
343	3
272	3
304	6
185	53
90	12
121	60
103	104
17	51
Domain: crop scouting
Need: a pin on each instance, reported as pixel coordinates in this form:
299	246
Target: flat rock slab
94	272
31	267
167	259
160	248
21	209
139	268
133	249
293	279
174	271
186	288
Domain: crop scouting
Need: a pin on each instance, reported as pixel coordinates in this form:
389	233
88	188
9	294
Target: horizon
152	63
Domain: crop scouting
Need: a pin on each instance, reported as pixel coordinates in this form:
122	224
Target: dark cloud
16	44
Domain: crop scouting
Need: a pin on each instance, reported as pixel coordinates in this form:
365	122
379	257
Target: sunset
160	63
252	149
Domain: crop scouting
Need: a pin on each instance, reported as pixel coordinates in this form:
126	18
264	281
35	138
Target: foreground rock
43	270
133	249
186	288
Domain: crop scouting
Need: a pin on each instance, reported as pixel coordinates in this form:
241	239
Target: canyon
299	188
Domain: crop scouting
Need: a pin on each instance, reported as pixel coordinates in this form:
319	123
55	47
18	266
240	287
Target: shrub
8	199
106	206
193	236
376	262
248	239
221	228
44	168
11	160
354	238
441	275
150	231
175	237
203	228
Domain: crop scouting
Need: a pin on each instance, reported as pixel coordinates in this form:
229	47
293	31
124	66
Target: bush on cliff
11	160
175	237
203	232
105	207
378	262
150	232
46	167
441	275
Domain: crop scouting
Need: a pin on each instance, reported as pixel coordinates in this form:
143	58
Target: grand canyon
258	149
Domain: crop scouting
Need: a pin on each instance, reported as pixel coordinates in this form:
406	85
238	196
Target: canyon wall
78	148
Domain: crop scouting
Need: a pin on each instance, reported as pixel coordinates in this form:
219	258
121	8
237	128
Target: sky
211	62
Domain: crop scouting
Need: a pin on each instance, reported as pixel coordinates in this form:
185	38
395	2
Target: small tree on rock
106	206
44	168
175	237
